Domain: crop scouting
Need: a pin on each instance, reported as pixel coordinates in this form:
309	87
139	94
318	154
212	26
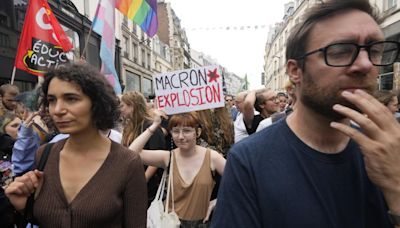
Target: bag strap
28	212
170	188
45	155
161	187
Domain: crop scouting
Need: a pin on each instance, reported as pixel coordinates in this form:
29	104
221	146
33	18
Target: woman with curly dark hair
89	180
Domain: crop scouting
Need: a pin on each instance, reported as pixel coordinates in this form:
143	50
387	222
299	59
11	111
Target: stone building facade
275	62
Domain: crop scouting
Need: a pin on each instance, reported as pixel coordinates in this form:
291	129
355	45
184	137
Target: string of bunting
244	27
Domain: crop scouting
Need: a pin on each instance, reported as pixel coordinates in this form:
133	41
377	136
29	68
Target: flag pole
13	76
83	55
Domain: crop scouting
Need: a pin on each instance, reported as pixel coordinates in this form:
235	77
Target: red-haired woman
193	167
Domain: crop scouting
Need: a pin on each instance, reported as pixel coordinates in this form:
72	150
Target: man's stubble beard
321	100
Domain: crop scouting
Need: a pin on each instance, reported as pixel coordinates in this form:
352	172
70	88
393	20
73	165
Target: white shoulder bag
157	215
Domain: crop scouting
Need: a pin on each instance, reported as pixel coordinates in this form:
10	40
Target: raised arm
158	158
248	108
24	150
138	144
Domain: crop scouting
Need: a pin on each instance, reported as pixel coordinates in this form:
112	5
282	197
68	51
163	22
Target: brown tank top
191	200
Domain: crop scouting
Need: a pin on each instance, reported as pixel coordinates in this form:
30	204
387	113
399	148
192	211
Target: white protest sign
189	90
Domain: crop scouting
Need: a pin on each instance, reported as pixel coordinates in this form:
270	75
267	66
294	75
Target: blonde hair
289	86
133	124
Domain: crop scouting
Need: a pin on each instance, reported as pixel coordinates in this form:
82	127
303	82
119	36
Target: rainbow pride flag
141	12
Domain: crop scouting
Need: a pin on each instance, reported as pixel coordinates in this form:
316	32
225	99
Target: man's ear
294	70
261	106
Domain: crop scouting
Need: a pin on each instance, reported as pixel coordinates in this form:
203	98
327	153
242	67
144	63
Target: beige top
192	200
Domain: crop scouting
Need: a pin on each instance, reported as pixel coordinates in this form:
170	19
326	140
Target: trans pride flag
104	25
141	12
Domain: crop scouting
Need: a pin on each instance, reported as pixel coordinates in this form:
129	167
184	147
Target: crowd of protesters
107	153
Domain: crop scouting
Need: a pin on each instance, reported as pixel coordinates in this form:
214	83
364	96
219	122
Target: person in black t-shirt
136	119
313	169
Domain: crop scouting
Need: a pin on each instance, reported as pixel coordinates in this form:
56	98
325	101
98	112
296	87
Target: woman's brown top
116	196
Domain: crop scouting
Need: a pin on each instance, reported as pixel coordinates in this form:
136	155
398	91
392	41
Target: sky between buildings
233	32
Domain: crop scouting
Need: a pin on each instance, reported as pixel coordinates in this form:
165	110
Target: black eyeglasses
381	53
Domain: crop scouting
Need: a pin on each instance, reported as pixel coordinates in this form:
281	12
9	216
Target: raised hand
158	115
28	120
379	141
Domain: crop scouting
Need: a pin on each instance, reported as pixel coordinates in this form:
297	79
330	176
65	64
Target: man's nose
362	63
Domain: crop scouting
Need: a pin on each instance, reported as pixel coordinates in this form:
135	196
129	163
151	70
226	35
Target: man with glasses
230	105
319	171
265	102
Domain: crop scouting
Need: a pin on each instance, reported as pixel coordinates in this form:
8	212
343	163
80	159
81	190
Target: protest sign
189	90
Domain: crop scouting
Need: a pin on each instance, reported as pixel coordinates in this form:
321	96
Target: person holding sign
193	167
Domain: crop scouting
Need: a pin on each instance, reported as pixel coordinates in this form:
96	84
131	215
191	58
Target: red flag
43	43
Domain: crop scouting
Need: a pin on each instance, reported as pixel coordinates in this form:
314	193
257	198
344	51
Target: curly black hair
105	104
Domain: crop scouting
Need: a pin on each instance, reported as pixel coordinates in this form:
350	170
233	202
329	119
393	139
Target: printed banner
189	90
43	43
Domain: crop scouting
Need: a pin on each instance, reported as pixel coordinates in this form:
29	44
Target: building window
125	21
132	82
391	3
163	52
74	38
125	45
147	87
4	19
143	58
148	61
142	35
4	40
134	29
135	52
